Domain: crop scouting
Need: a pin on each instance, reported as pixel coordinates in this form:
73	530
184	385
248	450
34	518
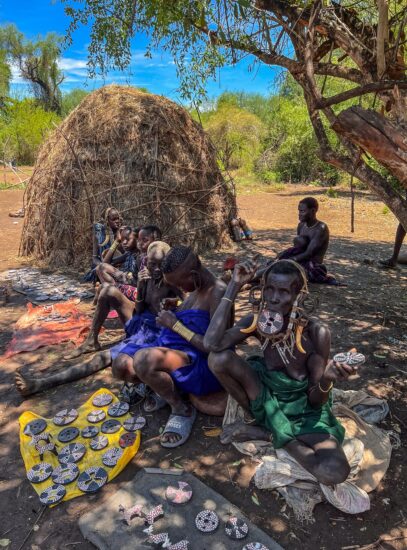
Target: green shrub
331	193
385	210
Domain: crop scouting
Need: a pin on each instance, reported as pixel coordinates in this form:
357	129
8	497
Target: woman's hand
143	275
166	319
341	370
244	272
169	303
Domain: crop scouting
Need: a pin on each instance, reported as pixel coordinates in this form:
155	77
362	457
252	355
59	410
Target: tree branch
360	90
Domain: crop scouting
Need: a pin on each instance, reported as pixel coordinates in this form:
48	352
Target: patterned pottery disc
71	453
180	494
127	440
134	423
92	479
236	528
90	431
68	434
65	473
270	322
351	358
207	521
111	457
65	417
99	442
35	427
40	472
110	426
255	546
96	416
118	409
52	494
102	399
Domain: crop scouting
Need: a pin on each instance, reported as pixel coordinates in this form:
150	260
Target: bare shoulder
319	334
219	287
322	227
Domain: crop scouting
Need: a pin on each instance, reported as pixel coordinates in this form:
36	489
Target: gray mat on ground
105	528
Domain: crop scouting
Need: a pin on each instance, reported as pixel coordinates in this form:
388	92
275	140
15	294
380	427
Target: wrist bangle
114	246
331	385
183	331
228	299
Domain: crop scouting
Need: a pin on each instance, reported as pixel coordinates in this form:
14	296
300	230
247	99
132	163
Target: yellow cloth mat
92	458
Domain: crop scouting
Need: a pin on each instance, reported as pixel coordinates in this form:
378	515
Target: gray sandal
178	425
159	402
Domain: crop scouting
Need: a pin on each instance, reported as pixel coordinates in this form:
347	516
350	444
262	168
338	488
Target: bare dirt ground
365	314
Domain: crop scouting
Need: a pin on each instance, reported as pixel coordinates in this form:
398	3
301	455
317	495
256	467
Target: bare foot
391	263
86	347
26	386
171	437
239	431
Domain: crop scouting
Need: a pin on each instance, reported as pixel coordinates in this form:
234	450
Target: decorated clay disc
99	442
255	546
134	423
92	479
40	472
89	431
68	434
71	453
111	457
236	528
52	494
207	521
118	409
35	427
102	399
270	322
110	426
65	473
96	416
65	417
352	359
127	440
179	494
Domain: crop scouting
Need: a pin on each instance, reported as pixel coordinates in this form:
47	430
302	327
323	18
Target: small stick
350	547
167	471
32	528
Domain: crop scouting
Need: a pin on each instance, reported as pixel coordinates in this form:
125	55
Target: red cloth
48	325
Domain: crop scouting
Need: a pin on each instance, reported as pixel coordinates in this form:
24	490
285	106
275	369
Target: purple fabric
316	273
195	378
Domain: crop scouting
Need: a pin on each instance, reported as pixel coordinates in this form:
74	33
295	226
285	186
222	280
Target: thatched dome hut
138	152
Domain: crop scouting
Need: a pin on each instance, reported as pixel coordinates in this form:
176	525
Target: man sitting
178	361
316	233
140	325
288	390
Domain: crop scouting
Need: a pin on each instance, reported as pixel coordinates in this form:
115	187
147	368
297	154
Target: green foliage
236	134
5	76
274	188
385	210
71	99
23	127
331	193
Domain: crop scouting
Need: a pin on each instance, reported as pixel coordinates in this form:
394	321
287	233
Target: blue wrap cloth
195	378
141	331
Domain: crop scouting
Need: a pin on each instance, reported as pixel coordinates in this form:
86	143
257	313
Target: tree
354	41
236	134
37	62
5	77
71	99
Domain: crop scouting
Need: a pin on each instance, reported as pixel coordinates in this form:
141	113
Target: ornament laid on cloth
73	452
110	426
181	545
99	442
130	513
42	443
134	423
68	434
207	521
151	517
96	416
127	440
92	479
52	494
118	409
180	494
40	472
255	546
236	528
102	399
35	427
89	431
65	417
66	473
160	538
111	457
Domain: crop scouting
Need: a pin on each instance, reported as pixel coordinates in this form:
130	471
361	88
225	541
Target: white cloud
69	64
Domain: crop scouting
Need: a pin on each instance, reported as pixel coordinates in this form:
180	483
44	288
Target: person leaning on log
104	233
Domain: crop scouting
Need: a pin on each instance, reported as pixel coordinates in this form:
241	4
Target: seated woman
288	389
176	364
139	324
104	234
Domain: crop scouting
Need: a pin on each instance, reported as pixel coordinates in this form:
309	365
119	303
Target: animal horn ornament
269	324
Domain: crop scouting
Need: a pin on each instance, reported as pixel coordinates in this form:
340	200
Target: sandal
179	425
158	402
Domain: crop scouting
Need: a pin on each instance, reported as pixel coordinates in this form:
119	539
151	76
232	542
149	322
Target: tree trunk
377	136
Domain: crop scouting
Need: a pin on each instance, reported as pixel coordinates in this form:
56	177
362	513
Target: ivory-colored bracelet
114	246
331	385
183	331
228	299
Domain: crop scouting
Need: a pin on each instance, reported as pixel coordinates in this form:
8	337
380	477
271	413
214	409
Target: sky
35	17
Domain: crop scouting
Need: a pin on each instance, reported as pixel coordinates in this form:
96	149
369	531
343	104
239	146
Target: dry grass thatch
138	152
